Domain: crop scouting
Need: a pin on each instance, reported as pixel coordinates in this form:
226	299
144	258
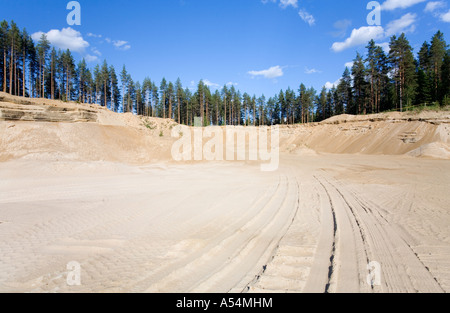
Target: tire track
185	273
402	271
274	252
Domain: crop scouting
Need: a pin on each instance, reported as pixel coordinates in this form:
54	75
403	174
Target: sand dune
105	193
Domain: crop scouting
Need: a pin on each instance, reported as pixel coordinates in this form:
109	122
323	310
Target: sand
105	193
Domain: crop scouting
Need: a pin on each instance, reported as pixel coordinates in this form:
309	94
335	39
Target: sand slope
104	192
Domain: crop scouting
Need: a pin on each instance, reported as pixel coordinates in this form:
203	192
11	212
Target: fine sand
100	189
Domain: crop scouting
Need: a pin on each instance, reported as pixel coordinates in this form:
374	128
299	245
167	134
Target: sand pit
166	228
105	194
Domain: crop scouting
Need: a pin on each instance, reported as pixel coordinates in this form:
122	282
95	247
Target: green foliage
376	82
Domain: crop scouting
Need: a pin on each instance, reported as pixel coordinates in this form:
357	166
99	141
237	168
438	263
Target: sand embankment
38	128
81	184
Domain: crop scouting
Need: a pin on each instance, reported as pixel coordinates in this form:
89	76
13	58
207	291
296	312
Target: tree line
376	82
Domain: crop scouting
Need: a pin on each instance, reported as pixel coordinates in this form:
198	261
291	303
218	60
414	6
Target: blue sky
261	46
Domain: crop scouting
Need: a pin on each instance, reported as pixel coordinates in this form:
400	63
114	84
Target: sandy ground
100	189
178	228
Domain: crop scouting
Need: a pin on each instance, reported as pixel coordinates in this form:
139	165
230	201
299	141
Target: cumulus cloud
306	17
446	17
385	46
94	35
403	25
96	51
341	27
359	36
390	5
210	84
273	72
286	3
329	85
91	58
312	71
121	44
434	5
364	34
67	38
349	64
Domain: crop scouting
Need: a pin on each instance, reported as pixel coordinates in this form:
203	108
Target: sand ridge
105	193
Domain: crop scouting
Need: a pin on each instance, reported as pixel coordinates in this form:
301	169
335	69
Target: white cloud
359	36
307	18
91	58
434	5
385	46
390	5
121	44
210	84
231	84
67	38
364	34
96	51
273	72
286	3
349	64
312	71
403	25
94	35
341	27
446	17
329	85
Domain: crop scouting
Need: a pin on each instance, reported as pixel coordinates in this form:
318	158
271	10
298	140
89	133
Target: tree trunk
225	111
4	70
24	64
170	107
179	111
217	112
52	79
11	69
207	113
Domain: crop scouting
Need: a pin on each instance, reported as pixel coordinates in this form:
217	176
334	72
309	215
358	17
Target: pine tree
424	76
4	29
201	100
438	50
179	96
170	97
302	101
225	99
27	46
282	108
359	85
163	91
43	47
14	46
114	89
261	110
445	89
105	83
53	64
403	63
321	105
69	70
188	104
124	82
